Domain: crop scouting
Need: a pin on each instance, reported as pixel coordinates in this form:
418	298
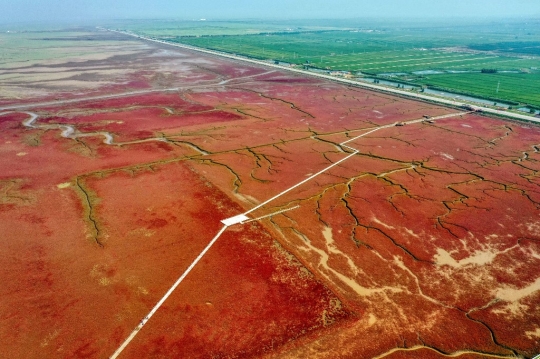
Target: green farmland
169	28
355	51
521	87
441	57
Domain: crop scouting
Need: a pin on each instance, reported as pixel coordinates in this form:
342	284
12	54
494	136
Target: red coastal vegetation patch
247	282
424	242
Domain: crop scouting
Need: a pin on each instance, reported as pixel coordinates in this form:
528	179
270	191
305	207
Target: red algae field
364	239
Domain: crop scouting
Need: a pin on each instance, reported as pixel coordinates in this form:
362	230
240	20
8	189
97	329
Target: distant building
340	73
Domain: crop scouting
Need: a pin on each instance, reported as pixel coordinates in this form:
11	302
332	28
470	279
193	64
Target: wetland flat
423	243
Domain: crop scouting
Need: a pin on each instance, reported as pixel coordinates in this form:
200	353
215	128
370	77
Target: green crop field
200	27
520	87
445	56
345	48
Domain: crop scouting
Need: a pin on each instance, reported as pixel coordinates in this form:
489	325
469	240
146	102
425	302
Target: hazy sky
77	10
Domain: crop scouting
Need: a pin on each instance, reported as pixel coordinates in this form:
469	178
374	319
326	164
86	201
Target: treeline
277	32
516	47
489	71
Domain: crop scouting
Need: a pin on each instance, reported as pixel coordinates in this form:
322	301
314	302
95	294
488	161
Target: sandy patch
512	294
514	309
382	223
478	258
247	198
447	156
533	334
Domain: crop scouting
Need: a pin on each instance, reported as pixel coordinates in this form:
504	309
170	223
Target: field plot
501	85
424	242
